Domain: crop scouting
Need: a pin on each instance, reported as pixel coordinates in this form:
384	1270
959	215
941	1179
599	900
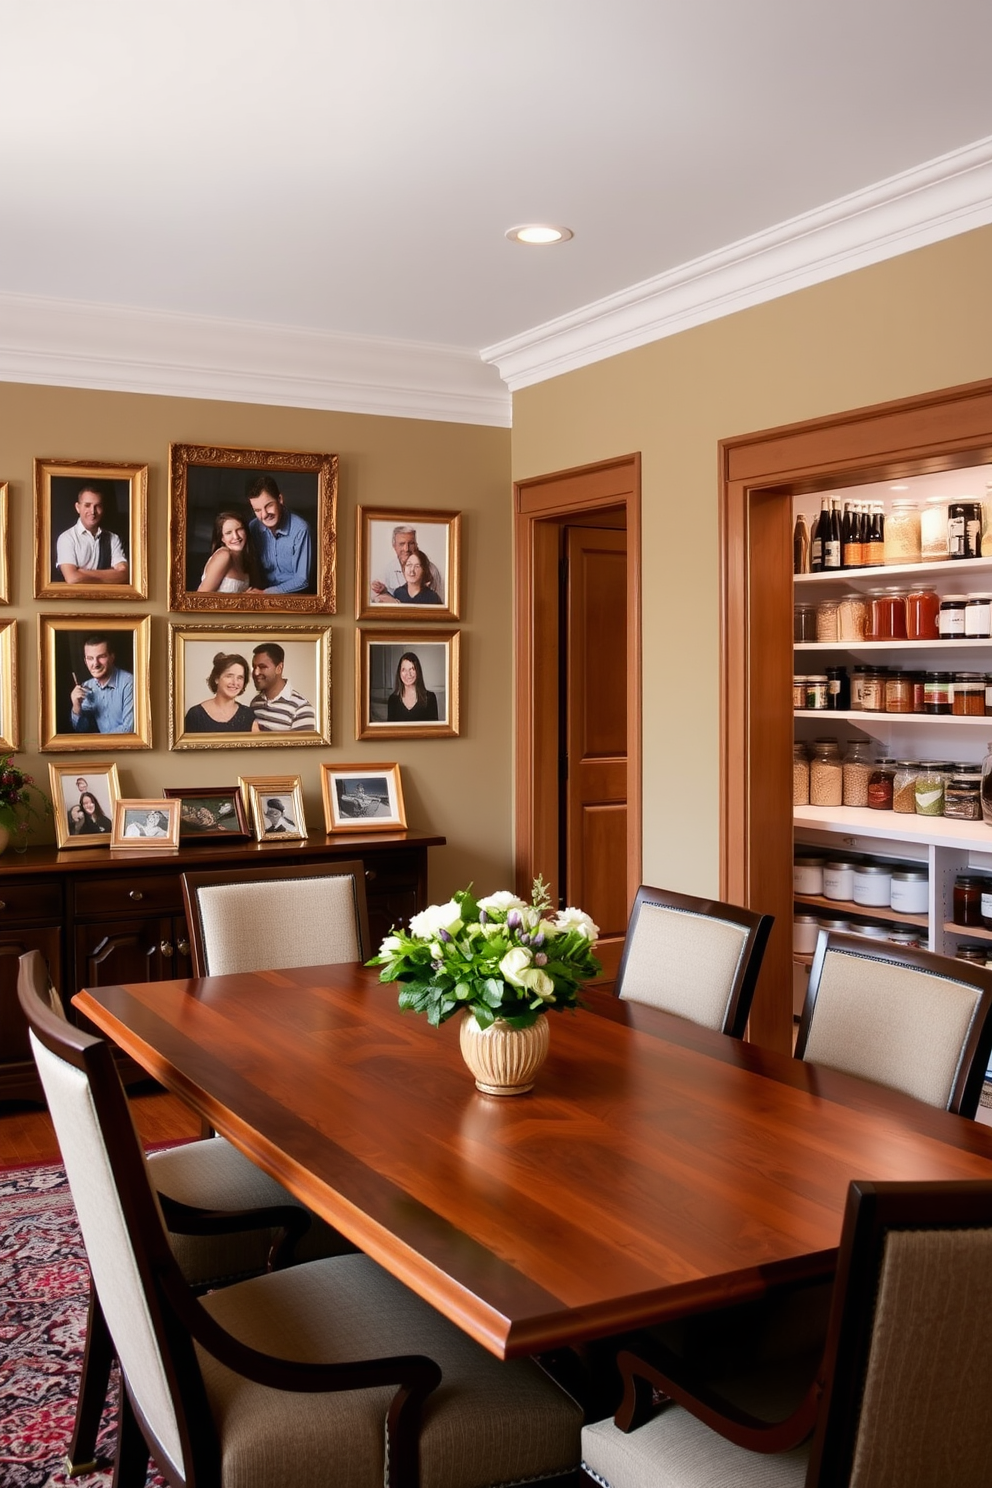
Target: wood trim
542	504
759	474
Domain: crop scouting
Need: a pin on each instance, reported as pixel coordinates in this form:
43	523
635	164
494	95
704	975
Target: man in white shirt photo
87	553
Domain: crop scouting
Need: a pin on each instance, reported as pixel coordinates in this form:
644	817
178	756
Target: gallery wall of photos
246	646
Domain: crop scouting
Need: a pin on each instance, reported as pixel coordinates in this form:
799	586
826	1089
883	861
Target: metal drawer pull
3	904
184	948
167	949
370	874
136	895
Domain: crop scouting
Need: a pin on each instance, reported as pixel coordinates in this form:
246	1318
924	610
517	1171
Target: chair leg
131	1462
94	1381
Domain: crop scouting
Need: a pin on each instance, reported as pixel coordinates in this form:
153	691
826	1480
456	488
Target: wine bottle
832	546
851	552
800	546
876	547
818	536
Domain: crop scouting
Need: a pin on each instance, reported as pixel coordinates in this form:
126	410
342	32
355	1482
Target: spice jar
933	529
963	798
888	615
839	689
873	885
950	621
873	690
804	622
858	689
968	899
978	616
937	692
852	618
826	776
904	787
799	692
909	890
807	876
800	776
929	789
858	766
922	610
899	692
968	695
838	879
826	620
816	691
880	786
902	533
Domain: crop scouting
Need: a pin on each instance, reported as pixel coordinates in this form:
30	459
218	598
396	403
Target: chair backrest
903	1018
908	1363
274	918
698	958
120	1222
32	975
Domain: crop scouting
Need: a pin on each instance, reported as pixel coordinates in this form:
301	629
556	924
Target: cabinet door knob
167	948
136	895
184	948
3	904
370	874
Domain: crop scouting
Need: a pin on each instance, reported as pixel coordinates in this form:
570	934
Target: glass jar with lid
826	774
800	775
987	788
964	529
880	785
899	692
902	533
922	611
963	798
826	620
904	787
910	887
933	529
816	691
838	878
968	695
929	789
967	908
978	616
852	617
950	620
804	622
807	875
888	614
858	765
937	693
873	690
858	688
839	689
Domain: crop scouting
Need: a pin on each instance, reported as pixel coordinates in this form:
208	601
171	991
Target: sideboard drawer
34	899
156	893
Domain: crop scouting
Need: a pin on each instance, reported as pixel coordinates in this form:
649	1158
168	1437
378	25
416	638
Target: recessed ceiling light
538	234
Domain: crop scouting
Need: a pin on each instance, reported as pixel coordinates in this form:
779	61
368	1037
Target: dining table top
657	1168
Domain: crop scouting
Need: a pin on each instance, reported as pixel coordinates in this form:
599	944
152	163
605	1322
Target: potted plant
17	806
504	964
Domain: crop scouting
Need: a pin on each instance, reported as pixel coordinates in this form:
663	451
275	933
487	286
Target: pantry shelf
938	720
864	911
896	826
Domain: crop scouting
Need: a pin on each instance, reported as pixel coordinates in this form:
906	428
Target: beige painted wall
458	787
911	325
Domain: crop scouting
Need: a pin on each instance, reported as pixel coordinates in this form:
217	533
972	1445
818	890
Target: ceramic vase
504	1060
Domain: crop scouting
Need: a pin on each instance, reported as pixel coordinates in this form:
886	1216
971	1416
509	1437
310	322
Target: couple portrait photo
252	529
249	685
407	559
83	800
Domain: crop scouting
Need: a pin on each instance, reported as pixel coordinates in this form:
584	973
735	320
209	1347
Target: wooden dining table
656	1169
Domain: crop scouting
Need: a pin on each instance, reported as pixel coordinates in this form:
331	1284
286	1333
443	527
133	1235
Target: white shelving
896	826
868	721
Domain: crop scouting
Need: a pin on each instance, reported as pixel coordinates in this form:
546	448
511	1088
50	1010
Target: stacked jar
826	775
858	766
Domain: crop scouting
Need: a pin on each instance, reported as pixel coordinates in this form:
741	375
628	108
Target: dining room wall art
83	801
9	706
362	798
249	686
146	823
407	684
90	521
275	807
94	687
252	530
4	544
210	812
407	564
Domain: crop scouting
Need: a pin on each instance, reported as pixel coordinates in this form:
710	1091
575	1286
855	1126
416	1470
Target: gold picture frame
69	646
145	824
386	537
379	656
4	544
305	668
209	482
362	798
275	807
97	791
66	493
10	731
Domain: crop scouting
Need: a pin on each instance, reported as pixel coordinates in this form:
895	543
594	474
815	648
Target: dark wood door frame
759	475
541	505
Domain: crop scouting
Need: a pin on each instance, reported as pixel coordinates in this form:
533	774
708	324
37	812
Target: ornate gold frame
45	471
64	839
50	627
367	517
368	728
235	638
10	733
275	462
254	787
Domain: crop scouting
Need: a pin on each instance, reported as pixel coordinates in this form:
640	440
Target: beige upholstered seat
697	958
900	1396
908	1020
276	917
325	1373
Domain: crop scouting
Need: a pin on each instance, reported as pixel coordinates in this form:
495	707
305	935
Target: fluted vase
504	1060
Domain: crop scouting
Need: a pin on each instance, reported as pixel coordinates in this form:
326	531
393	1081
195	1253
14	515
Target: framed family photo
149	824
275	805
94	688
407	684
239	686
4	545
10	734
407	564
90	520
362	798
210	812
83	801
252	530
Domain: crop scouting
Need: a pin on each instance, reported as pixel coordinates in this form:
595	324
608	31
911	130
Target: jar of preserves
873	885
899	692
804	622
963	797
858	765
839	690
950	621
922	610
826	775
888	615
978	616
910	887
929	789
968	695
852	618
964	529
838	879
800	776
880	786
873	690
902	533
904	787
816	692
826	620
919	691
933	529
968	889
937	693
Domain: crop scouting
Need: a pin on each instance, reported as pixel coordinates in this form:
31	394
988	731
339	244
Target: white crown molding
937	200
71	343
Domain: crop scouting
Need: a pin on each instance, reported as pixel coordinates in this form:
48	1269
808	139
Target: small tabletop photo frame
362	798
275	806
145	824
210	813
83	799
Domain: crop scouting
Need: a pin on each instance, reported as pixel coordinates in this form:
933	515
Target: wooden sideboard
101	918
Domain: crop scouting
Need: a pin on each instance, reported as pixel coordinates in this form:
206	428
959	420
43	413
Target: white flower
435	917
390	946
539	982
577	919
502	900
514	964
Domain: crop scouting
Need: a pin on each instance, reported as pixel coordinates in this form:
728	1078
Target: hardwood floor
27	1135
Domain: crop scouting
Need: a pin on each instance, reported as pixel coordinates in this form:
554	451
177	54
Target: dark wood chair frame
967	1087
179	1321
758	927
194	882
289	1222
830	1409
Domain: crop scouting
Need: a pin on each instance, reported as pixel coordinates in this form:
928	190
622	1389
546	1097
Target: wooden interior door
594	724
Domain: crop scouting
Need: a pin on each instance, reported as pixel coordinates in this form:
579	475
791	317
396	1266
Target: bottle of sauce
800	546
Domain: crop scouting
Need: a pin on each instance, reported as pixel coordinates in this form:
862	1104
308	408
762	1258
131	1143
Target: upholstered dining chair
698	958
900	1394
322	1373
276	917
907	1019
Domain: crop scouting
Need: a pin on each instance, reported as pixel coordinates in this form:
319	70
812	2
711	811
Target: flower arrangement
499	956
16	803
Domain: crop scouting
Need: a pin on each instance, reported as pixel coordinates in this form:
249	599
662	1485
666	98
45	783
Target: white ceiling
349	167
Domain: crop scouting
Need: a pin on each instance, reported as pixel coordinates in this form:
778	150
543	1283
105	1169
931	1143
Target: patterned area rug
43	1289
